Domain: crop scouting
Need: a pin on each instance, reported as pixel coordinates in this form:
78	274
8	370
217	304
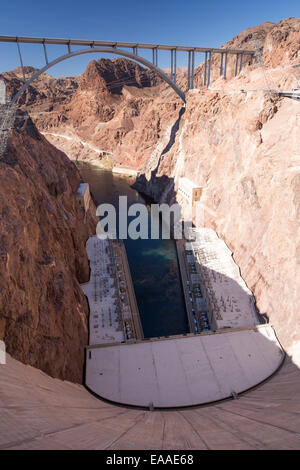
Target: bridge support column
154	56
175	65
69	48
21	60
236	65
225	65
45	54
241	63
221	64
189	70
205	69
193	69
209	68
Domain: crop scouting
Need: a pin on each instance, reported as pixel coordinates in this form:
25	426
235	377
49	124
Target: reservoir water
153	263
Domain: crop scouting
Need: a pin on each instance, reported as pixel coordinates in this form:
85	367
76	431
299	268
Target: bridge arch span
107	50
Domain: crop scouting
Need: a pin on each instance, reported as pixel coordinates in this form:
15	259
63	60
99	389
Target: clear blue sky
190	22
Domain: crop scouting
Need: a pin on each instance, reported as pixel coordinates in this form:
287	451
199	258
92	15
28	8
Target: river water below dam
153	263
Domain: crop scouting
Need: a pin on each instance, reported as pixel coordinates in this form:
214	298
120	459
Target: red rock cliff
43	312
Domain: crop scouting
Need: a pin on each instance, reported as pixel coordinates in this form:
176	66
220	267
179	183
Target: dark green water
153	263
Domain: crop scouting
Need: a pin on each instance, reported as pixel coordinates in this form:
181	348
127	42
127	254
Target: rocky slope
243	150
92	115
43	312
276	44
46	92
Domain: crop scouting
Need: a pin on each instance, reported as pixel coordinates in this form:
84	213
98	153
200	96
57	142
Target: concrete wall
38	412
2	92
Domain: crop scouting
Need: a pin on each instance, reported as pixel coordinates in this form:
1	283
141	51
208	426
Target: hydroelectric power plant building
211	363
230	302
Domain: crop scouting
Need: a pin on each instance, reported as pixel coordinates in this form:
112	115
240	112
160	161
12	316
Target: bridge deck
121	48
89	42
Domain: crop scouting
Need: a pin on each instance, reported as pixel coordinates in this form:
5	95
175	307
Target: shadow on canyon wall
160	188
174	131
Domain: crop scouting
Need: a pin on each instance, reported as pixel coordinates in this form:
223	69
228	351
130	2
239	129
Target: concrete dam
165	380
38	412
188	344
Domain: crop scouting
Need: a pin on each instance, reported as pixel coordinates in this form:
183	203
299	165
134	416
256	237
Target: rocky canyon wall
43	312
241	144
243	151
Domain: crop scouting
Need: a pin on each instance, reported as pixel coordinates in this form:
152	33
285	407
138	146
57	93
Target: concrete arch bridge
133	51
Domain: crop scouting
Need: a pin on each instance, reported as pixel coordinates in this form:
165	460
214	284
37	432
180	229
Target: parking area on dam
183	371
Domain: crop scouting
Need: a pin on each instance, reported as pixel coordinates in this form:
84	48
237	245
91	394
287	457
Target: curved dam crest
169	370
184	371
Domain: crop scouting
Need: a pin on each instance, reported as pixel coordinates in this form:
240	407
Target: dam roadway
39	412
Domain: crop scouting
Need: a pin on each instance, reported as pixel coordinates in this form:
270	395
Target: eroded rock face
43	312
106	107
243	150
45	93
282	44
